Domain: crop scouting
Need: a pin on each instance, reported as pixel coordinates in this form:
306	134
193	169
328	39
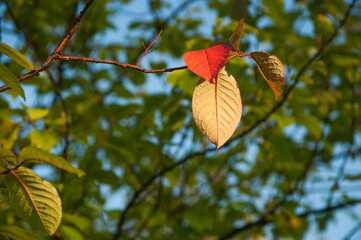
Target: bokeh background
151	174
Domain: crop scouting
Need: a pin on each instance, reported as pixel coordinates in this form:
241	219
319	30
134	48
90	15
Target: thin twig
265	219
146	50
337	179
353	231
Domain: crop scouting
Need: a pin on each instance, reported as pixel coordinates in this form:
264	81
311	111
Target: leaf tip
81	173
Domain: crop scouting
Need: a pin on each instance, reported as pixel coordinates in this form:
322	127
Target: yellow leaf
272	70
295	222
37	113
217	108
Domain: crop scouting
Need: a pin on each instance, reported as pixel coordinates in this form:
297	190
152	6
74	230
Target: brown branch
142	189
12	168
337	179
241	135
123	65
266	220
63	43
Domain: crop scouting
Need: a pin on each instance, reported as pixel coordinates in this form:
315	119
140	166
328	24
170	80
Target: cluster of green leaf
32	198
6	75
146	147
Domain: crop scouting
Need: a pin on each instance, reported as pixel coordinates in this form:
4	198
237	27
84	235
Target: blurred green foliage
109	124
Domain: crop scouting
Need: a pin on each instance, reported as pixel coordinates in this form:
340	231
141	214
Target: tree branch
265	220
63	43
123	65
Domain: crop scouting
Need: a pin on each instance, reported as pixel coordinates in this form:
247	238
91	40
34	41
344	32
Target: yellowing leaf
217	108
37	113
16	56
272	70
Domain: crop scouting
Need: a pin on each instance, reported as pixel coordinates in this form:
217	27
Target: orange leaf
206	63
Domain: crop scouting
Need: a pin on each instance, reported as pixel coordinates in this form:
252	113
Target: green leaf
45	139
34	199
10	79
199	217
235	38
312	124
185	80
272	70
4	199
32	154
71	233
80	222
16	233
2	237
16	56
7	156
217	108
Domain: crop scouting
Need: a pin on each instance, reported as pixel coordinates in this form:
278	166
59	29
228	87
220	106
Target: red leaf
206	63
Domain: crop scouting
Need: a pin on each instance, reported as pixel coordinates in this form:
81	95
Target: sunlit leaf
34	199
272	70
236	36
32	154
16	56
10	79
37	113
217	108
206	63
